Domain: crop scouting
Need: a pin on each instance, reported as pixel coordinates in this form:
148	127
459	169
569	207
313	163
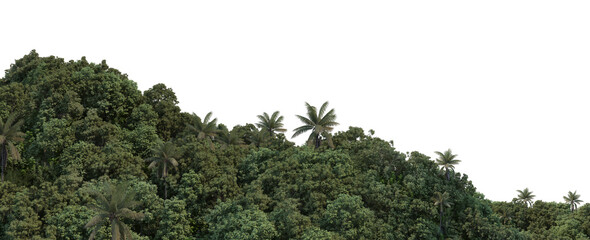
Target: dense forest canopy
86	155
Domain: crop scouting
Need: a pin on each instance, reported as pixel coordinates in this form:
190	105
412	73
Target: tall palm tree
447	161
320	123
271	124
441	200
9	135
526	196
205	128
114	204
164	155
573	199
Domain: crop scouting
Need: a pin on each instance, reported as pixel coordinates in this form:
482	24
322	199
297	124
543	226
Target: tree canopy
100	159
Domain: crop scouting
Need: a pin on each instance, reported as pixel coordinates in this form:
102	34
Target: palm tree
447	161
228	138
113	204
320	123
526	196
9	135
205	128
505	216
164	155
441	200
573	199
258	138
271	124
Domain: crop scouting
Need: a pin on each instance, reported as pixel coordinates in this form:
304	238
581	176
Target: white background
504	84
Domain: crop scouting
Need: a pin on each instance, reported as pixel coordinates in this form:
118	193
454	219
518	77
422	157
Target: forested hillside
85	154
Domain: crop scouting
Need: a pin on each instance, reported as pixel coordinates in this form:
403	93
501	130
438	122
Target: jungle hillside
86	155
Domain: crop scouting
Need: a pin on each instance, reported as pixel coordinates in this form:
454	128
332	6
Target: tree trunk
165	190
4	159
113	230
318	141
440	223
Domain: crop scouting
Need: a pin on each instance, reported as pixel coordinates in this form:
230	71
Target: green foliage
69	223
230	220
315	233
164	158
113	204
227	138
175	221
288	220
447	161
22	220
573	199
204	129
9	135
85	125
169	121
271	124
319	123
350	219
57	135
526	196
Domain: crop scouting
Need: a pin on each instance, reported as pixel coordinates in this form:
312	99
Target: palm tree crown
447	161
227	138
205	128
272	123
526	196
114	204
320	123
164	155
9	135
573	199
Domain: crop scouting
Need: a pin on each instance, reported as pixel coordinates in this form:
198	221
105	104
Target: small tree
447	161
114	203
164	155
573	199
204	129
9	135
272	123
441	200
320	123
526	196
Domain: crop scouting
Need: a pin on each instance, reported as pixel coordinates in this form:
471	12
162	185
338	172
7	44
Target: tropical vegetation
101	159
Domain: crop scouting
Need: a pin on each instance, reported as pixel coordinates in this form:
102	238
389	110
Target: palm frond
95	230
298	131
93	221
323	110
13	151
128	213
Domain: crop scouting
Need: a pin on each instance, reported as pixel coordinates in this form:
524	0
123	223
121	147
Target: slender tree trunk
113	232
165	190
317	141
442	232
4	159
448	177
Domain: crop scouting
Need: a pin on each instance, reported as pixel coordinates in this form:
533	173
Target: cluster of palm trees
447	162
115	202
320	123
572	198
